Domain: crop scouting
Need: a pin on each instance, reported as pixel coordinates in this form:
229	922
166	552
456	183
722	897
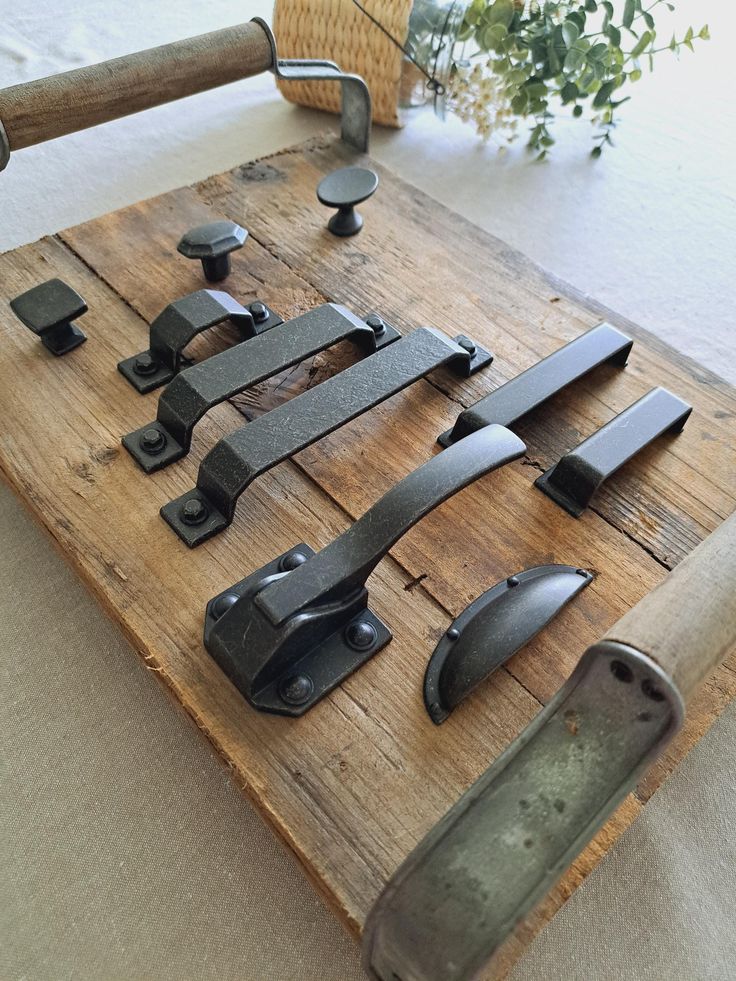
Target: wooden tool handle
49	107
687	624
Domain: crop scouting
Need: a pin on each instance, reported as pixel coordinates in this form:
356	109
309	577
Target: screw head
152	441
361	635
145	364
296	690
453	633
376	324
467	345
222	604
194	512
512	581
292	561
259	311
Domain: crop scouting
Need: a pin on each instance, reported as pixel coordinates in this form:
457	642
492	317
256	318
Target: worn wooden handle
688	623
49	107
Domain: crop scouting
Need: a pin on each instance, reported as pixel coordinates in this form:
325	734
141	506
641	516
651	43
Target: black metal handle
534	386
180	323
191	395
239	458
291	632
574	480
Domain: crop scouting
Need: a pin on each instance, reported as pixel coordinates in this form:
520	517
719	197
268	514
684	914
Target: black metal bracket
240	457
180	323
493	628
603	344
200	388
574	480
291	632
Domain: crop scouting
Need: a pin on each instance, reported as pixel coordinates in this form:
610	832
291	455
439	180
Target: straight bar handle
47	108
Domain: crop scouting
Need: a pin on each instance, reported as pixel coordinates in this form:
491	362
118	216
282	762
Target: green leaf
629	12
569	92
704	33
598	52
635	75
608	7
502	12
574	60
577	111
591	6
614	35
603	95
570	32
648	20
596	152
642	44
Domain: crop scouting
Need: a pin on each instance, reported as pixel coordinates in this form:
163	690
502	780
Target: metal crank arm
294	630
180	323
231	466
198	389
603	344
476	878
574	480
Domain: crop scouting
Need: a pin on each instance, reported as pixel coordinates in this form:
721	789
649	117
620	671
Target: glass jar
432	35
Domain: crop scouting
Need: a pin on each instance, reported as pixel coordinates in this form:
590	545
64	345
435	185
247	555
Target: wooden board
352	786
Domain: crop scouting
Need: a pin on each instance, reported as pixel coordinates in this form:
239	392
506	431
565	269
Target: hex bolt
376	324
259	311
296	690
467	345
292	561
194	512
152	441
361	635
222	604
48	310
212	244
145	364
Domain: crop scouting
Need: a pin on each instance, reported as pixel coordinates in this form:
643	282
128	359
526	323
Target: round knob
213	243
343	189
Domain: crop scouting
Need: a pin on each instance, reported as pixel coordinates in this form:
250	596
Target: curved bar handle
345	564
194	392
235	462
295	629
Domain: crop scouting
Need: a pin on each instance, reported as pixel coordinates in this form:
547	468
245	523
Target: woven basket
336	30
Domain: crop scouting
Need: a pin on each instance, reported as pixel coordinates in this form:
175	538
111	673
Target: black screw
292	561
259	311
296	690
467	345
194	512
512	581
152	441
453	633
376	324
361	635
145	364
222	604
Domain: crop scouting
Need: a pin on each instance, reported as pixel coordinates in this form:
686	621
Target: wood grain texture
46	108
357	782
688	623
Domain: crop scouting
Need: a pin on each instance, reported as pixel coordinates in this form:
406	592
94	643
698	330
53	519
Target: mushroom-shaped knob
48	310
213	243
343	189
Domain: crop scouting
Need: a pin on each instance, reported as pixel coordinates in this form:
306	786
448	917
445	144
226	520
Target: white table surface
649	230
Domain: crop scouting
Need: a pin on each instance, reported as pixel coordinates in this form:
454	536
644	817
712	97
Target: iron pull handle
179	323
603	344
187	399
231	466
294	630
573	481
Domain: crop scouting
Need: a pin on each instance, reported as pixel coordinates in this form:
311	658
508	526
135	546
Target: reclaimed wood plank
357	782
